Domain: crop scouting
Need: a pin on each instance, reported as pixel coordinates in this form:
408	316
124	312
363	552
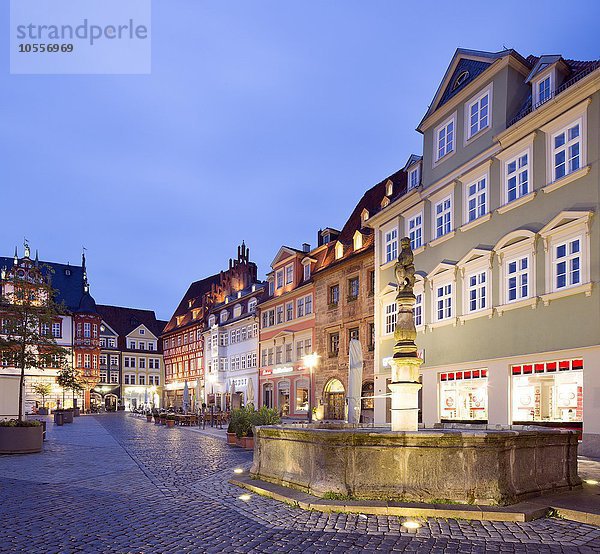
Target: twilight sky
262	120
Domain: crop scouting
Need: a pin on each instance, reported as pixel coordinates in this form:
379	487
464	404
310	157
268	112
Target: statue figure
405	268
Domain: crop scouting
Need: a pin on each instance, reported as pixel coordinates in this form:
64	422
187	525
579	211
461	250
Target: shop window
464	395
283	397
548	391
302	396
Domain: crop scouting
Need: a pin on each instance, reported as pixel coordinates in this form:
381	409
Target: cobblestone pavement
116	484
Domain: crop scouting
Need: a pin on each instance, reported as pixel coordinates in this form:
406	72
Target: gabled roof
125	320
466	66
413	159
195	290
543	63
285	252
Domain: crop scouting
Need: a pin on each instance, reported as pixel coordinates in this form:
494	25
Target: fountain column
405	363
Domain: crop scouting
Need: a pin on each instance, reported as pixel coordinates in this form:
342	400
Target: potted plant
232	427
28	310
43	389
149	416
170	420
20	437
262	416
163	418
156	415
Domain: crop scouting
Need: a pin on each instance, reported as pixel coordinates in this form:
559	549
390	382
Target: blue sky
261	120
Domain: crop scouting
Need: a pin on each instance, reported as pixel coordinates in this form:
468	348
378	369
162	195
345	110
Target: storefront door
335	399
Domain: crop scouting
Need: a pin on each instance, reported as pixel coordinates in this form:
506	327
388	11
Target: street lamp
310	361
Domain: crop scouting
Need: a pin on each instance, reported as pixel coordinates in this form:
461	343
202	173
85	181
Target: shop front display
464	395
548	393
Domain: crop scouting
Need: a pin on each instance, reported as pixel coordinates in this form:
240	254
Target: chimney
305	247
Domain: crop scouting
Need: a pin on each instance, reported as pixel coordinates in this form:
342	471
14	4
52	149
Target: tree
68	378
27	311
43	389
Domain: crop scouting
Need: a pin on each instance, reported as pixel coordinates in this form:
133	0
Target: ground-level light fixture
244	497
591	481
411	525
238	470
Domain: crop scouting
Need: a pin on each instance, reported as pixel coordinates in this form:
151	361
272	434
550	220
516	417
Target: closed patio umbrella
186	397
145	397
355	372
250	392
198	395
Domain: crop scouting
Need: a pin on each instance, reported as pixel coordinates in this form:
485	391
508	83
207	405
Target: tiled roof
371	201
124	320
196	290
69	287
578	69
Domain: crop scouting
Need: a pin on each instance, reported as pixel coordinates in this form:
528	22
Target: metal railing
554	94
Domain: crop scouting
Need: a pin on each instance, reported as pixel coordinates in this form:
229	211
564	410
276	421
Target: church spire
37	259
16	259
86	285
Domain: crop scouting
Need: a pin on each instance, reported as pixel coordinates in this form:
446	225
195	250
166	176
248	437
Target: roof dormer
546	76
357	240
413	171
364	216
339	250
389	188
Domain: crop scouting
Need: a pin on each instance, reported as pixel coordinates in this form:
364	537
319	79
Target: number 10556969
51	48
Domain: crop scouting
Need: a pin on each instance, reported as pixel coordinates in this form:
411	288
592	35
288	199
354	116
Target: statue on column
405	269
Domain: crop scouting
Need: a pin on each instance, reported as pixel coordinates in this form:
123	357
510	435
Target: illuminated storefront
548	391
464	395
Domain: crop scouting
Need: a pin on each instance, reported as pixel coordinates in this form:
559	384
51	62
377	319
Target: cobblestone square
116	484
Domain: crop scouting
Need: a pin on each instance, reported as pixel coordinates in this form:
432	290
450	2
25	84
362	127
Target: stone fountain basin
474	466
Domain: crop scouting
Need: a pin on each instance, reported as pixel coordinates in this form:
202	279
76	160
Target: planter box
231	438
238	441
248	443
157	421
76	412
68	416
21	440
170	423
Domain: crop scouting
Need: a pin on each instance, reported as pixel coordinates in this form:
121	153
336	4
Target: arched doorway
335	399
110	403
95	402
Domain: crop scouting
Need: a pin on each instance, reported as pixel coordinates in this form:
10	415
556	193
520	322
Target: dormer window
364	215
414	177
385	202
237	310
460	79
389	188
543	90
223	316
307	271
252	305
339	250
211	320
358	240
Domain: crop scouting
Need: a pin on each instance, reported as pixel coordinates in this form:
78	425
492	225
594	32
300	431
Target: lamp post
310	361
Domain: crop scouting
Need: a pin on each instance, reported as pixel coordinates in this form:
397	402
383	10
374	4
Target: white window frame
414	177
568	257
390	317
442	276
389	244
307	271
537	101
279	278
416	231
566	146
419	292
436	139
289	274
476	100
519	170
578	114
434	206
482	282
448	288
485	192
